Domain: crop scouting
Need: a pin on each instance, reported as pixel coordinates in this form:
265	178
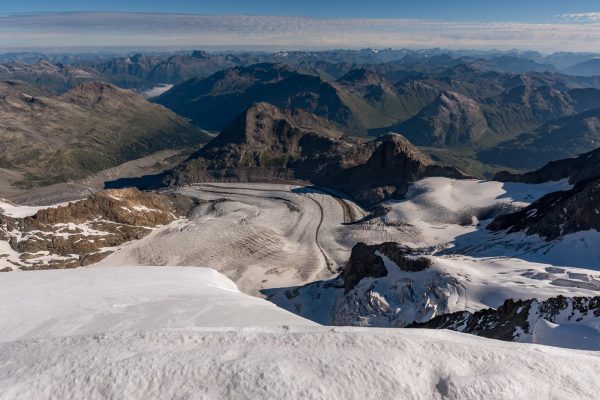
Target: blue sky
457	10
549	25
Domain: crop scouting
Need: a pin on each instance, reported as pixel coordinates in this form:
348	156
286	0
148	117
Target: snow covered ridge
42	304
296	363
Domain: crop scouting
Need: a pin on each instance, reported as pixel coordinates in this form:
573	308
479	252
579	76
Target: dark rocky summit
576	169
366	262
267	143
556	214
563	212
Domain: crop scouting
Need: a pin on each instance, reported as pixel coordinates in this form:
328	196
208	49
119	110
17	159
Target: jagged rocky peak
265	124
269	143
560	213
201	54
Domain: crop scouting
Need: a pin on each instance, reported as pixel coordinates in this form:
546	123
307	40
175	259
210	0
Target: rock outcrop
556	214
267	143
516	320
384	285
366	262
84	232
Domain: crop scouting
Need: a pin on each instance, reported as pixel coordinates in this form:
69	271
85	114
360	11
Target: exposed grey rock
556	214
366	263
515	319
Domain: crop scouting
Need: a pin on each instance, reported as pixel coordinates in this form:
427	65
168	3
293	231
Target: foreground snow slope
303	363
37	304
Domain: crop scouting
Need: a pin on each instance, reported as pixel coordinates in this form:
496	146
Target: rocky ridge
383	285
266	143
577	169
556	214
84	232
518	320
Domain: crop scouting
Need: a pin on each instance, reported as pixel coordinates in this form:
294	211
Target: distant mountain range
563	137
479	111
585	68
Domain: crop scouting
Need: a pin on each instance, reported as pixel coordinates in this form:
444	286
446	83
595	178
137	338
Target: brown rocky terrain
84	232
9	87
267	143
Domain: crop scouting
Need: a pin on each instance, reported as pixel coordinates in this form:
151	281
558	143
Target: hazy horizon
548	27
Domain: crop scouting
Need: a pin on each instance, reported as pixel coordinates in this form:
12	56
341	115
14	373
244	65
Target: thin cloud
582	17
191	30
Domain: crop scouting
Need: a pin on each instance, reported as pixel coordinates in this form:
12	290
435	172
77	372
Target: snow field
297	363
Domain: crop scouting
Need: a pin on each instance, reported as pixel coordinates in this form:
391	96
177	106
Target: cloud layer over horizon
572	32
